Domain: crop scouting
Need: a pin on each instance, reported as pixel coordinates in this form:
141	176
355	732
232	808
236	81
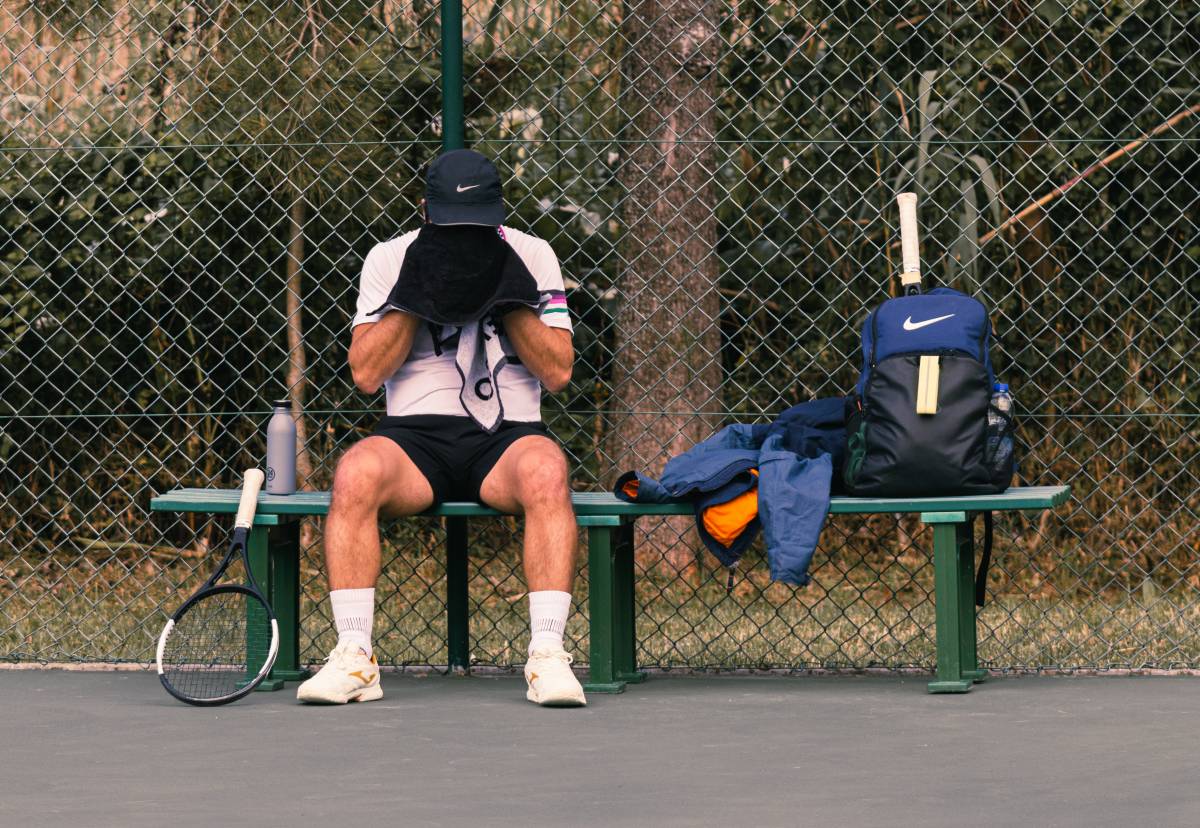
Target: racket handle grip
252	482
910	246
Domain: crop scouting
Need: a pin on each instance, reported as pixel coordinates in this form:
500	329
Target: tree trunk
297	365
667	374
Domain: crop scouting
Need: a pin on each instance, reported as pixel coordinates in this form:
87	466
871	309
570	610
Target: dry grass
858	617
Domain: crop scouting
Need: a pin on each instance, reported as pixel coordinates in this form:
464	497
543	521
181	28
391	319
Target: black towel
454	275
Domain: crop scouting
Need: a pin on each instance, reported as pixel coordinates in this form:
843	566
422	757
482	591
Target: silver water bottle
281	450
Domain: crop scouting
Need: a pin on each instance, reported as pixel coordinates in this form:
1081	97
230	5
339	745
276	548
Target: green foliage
827	110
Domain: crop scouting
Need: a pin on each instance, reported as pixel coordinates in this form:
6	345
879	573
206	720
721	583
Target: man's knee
359	479
542	476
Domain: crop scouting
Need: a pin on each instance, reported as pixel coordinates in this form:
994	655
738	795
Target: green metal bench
275	550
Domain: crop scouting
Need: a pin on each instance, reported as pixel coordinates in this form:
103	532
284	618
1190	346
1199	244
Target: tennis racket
910	247
222	642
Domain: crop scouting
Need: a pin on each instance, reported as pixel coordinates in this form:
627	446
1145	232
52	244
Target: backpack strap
985	560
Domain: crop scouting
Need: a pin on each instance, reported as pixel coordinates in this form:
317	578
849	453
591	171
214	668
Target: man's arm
547	352
378	349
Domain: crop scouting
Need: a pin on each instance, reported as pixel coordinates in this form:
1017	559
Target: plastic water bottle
281	450
999	431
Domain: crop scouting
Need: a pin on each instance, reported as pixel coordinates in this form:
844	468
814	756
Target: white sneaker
348	675
551	682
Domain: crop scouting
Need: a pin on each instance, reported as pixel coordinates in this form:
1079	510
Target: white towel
480	358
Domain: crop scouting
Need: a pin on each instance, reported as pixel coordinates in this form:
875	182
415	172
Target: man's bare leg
530	478
374	478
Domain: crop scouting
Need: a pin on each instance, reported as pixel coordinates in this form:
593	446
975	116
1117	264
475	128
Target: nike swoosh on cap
909	325
463	189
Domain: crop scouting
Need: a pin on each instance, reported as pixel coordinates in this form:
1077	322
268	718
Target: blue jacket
795	458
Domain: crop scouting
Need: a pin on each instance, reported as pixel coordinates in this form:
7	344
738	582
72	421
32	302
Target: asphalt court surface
112	749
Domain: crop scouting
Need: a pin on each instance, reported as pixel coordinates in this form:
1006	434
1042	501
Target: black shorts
453	453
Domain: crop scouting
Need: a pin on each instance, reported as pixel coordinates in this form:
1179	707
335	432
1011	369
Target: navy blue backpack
917	424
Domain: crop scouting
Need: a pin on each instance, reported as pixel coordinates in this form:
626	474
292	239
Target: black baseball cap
463	187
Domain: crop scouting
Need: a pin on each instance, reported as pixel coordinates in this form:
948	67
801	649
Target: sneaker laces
561	655
341	654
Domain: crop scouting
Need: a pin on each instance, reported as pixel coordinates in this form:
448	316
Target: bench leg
625	608
458	633
602	577
967	625
951	593
284	553
274	554
612	610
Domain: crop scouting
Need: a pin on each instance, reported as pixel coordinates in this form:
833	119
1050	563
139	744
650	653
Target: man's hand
378	349
547	352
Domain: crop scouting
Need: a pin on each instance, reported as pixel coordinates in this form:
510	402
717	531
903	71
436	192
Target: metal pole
453	133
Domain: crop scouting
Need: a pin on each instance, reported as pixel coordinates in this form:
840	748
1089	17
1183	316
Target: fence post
453	132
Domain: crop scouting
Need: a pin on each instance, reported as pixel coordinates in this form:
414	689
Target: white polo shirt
428	382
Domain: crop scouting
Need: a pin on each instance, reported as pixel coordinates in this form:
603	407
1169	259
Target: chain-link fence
189	187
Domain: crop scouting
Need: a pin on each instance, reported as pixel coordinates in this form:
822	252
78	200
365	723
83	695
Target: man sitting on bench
432	446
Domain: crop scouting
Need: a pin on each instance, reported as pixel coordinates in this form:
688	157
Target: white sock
354	614
548	611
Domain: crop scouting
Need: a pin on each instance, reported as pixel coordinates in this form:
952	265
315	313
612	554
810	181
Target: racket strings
219	644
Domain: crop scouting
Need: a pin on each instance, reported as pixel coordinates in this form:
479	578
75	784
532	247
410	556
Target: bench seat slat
605	503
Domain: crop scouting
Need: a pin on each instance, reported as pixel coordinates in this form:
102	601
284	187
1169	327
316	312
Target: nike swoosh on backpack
910	325
463	189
